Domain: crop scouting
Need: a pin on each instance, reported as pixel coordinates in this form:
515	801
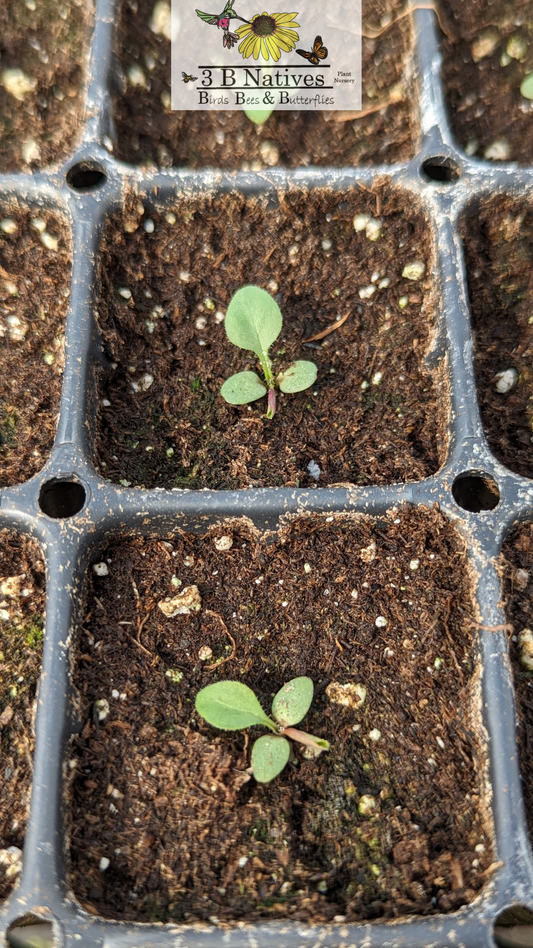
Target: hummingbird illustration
222	20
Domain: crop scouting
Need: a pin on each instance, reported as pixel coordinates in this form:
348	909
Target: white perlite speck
17	83
102	708
187	601
368	553
100	569
349	695
505	381
104	864
223	544
373	229
381	622
269	152
500	150
374	734
8	226
49	241
525	643
136	77
360	221
314	470
365	292
414	271
367	803
484	45
161	20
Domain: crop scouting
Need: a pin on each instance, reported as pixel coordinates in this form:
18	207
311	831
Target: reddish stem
307	739
271	403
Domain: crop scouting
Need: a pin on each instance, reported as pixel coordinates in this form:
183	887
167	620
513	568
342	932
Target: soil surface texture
21	623
517	566
43	53
374	415
498	241
147	131
390	822
35	250
487	53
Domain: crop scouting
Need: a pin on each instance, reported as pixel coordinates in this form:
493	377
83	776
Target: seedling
232	706
254	321
258	116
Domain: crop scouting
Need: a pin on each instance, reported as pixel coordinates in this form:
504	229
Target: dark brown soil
498	242
166	798
356	427
21	625
149	131
484	96
48	41
34	289
517	562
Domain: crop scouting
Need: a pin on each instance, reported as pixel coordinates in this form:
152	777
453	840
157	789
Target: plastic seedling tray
72	512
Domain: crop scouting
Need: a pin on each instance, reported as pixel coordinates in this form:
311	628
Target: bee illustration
319	52
187	78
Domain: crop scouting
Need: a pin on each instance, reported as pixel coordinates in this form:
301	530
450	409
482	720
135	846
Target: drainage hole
30	931
61	498
476	492
441	170
514	928
86	176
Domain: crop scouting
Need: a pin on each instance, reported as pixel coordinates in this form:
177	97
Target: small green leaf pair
232	706
254	321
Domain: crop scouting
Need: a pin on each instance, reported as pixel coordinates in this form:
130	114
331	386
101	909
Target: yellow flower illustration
267	35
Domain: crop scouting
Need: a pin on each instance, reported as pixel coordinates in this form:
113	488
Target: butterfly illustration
187	78
319	52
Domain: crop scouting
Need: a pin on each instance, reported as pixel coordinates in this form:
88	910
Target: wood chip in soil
487	54
393	821
498	240
44	47
376	414
22	595
517	567
148	132
34	292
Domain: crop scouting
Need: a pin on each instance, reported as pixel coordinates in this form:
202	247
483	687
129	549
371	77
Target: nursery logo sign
244	57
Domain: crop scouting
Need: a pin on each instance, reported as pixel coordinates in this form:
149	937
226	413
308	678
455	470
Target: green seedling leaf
253	320
258	116
242	388
269	756
230	705
526	88
299	376
293	701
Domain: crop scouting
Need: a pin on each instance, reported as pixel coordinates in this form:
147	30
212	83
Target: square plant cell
35	255
517	567
148	131
44	49
22	603
376	413
166	823
498	242
488	76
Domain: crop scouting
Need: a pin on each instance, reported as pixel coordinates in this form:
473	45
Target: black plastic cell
71	515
